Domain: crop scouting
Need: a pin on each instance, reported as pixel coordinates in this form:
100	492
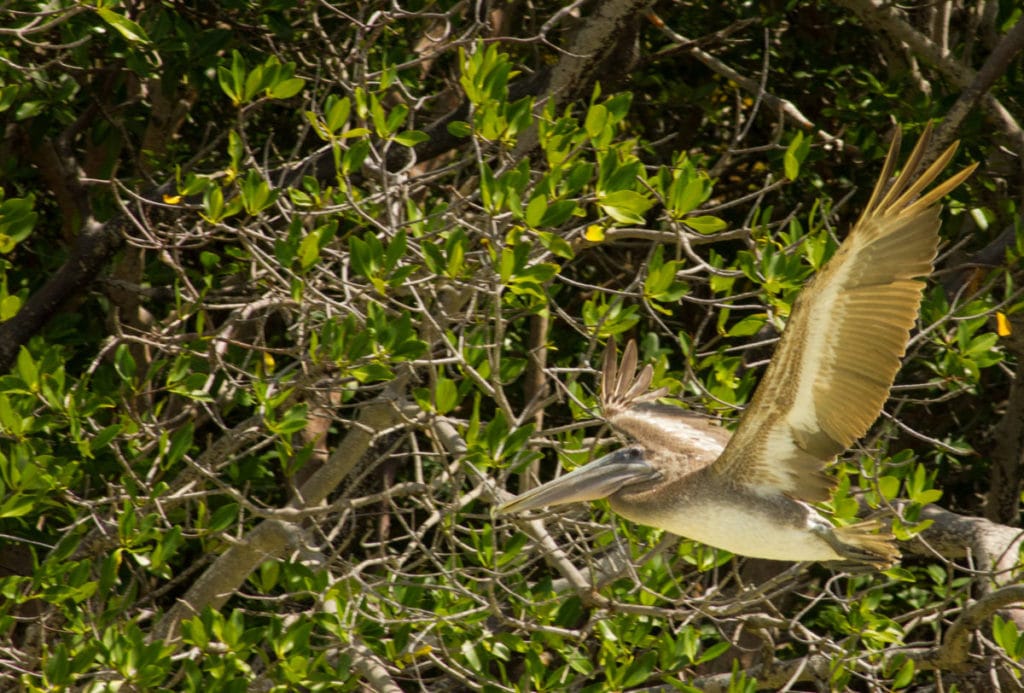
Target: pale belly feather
752	528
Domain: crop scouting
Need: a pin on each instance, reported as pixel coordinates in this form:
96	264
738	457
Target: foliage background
292	293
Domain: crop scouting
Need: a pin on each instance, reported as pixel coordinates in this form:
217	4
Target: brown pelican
749	492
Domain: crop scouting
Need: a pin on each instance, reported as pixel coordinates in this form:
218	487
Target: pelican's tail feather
864	543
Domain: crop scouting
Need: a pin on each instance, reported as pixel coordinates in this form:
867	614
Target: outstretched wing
630	407
837	358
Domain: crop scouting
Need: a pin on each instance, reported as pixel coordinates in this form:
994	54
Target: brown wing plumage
628	406
833	367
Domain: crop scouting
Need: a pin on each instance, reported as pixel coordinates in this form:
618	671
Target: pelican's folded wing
630	407
848	330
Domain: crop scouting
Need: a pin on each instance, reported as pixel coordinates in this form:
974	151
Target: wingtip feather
627	368
609	369
622	387
887	168
903	196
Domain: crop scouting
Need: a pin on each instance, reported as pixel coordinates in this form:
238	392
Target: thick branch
60	170
890	20
995	67
95	245
956	644
993	547
272	537
1002	503
598	44
372	669
752	86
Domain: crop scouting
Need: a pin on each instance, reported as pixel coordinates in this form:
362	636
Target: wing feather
847	333
628	406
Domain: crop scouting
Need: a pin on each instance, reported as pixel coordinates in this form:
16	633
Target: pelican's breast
701	507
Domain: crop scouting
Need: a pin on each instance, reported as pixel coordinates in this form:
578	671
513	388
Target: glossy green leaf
124	26
706	224
795	154
625	206
410	138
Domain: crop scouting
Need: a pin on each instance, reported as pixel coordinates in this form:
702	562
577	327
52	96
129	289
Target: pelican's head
601	478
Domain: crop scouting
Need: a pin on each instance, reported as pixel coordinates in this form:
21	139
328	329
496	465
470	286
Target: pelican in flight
749	492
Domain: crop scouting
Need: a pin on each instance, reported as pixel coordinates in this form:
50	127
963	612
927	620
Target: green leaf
269	574
309	251
889	486
558	212
17	505
124	362
618	177
103	438
254	81
607	634
224	517
10	422
410	138
905	675
293	421
395	251
236	150
625	206
795	154
596	121
27	369
238	71
459	128
694	193
749	325
256	193
705	224
227	85
446	395
713	652
9	307
535	210
17	220
29	109
396	117
337	112
287	88
579	176
618	105
181	441
926	497
377	115
355	155
8	96
556	244
126	27
433	257
640	670
469	651
232	80
489	194
901	574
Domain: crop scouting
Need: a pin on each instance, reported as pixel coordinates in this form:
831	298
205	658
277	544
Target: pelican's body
729	516
748	492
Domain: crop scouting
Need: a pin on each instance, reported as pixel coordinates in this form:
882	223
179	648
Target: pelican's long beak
599	479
